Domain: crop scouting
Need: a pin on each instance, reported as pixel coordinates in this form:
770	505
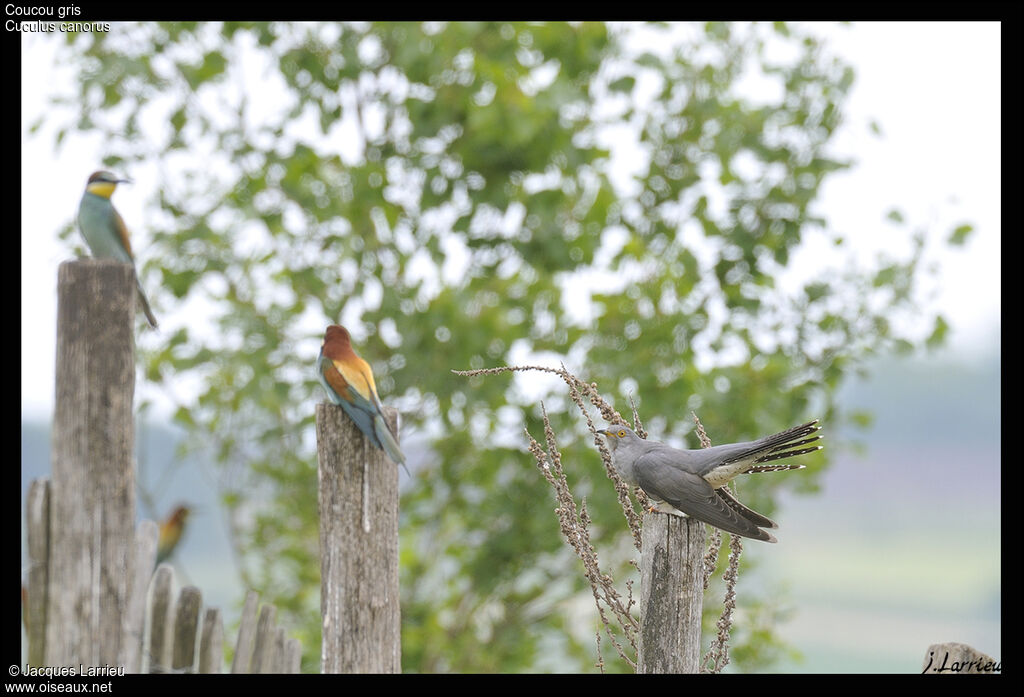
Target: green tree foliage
447	191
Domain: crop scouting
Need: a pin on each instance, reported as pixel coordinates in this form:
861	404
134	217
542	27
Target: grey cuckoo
692	482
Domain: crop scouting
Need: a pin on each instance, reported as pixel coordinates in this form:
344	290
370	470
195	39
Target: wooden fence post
292	656
37	514
161	610
671	594
92	501
246	634
211	648
263	650
186	629
134	619
358	567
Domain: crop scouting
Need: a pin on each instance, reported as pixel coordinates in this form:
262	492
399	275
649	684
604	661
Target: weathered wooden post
263	648
133	619
246	634
671	594
37	519
161	610
92	501
211	645
358	566
186	628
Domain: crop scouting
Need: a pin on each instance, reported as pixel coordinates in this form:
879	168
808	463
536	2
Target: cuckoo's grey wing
688	492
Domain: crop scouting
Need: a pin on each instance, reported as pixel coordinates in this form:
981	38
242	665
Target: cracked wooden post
671	594
358	548
92	499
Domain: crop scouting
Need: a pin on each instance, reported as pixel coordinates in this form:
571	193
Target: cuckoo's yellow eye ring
622	434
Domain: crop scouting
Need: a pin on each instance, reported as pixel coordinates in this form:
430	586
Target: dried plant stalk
715	543
575	523
718	653
575	528
578	390
615	610
711	556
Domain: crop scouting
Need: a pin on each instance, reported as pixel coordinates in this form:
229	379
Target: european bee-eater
171	530
104	230
348	380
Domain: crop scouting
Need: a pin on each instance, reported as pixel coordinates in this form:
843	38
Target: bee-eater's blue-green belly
96	219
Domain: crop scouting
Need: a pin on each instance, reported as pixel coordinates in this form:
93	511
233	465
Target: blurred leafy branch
451	193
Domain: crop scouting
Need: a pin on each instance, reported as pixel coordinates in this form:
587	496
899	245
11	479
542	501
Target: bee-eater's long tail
145	305
388	441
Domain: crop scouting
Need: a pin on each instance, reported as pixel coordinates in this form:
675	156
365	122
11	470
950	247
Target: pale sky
934	88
